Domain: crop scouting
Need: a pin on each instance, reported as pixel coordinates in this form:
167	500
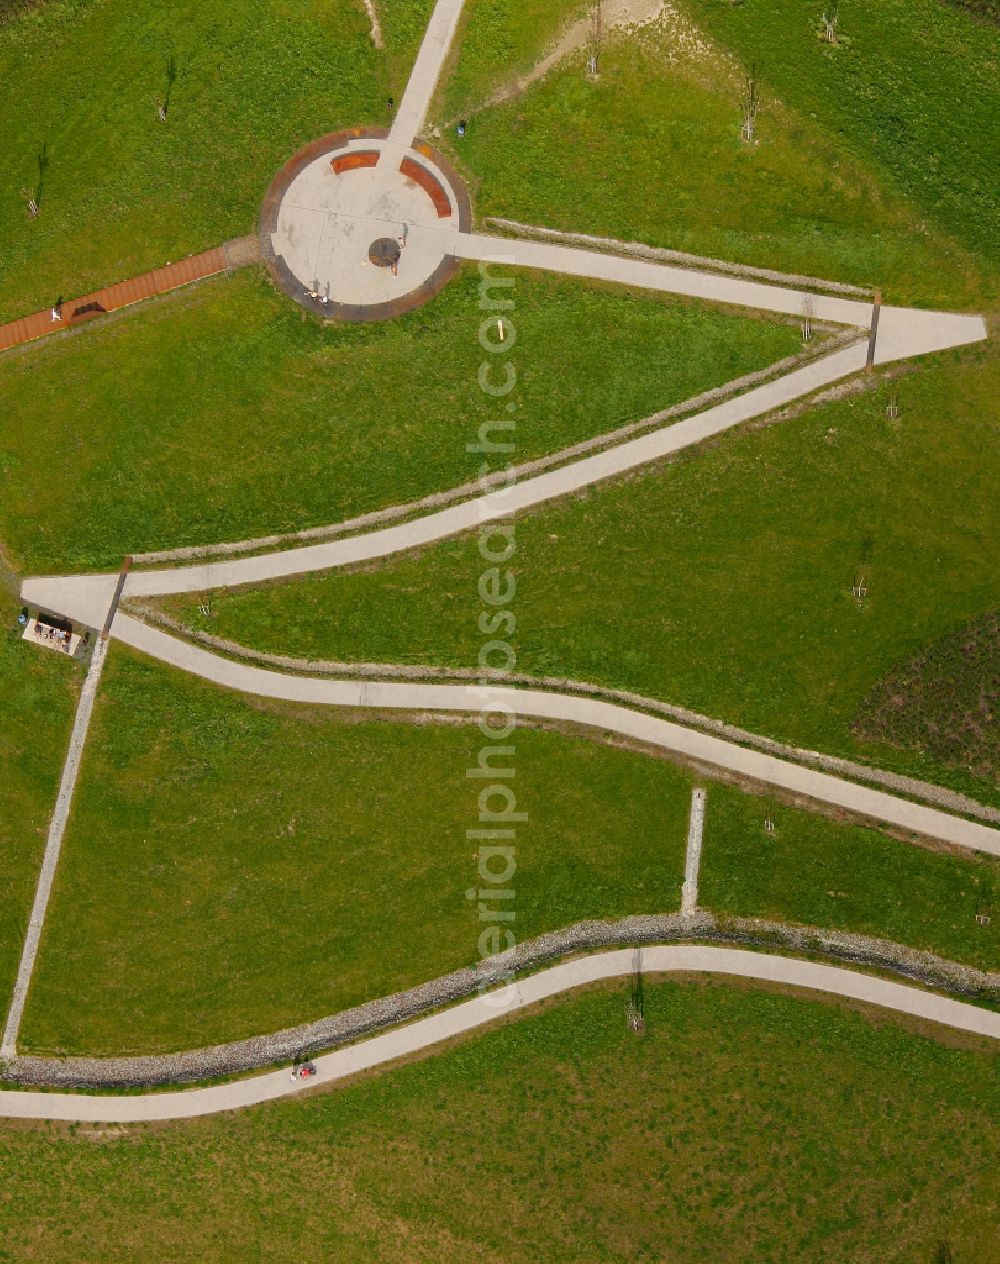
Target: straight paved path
412	112
79	310
78	597
692	858
903	331
470	1015
638	726
53	846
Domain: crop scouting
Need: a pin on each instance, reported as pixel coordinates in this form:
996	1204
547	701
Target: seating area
354	160
52	634
430	185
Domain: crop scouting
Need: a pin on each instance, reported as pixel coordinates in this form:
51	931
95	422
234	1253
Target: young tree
830	19
749	104
163	107
635	1006
808	312
596	19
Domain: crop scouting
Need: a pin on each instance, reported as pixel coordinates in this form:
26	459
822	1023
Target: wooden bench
430	185
354	160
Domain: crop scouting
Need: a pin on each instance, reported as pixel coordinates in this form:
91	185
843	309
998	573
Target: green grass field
729	573
943	700
123	192
221	414
234	868
743	1125
497	41
37	696
822	873
664	116
913	87
231	869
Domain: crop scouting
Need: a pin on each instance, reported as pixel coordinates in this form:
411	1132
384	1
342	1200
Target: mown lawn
722	581
221	414
37	698
123	192
819	872
943	700
403	24
232	869
913	86
664	118
743	1125
497	41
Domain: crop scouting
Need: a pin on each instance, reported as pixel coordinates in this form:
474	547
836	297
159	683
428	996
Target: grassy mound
912	86
664	117
943	701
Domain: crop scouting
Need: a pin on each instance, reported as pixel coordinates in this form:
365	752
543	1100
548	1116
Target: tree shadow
43	166
171	77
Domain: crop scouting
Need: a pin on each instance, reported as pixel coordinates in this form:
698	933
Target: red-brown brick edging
78	310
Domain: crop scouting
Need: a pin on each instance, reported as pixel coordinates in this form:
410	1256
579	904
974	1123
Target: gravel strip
363	1020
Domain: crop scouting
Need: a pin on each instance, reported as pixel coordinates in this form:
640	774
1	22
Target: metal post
873	333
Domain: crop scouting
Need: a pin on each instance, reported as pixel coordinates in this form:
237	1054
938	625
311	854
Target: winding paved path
902	333
547	705
468	1016
86	598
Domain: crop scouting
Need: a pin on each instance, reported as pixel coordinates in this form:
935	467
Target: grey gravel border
150	1071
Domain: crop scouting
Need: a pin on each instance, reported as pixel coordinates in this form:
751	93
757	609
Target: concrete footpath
423	80
80	597
483	1010
53	846
547	705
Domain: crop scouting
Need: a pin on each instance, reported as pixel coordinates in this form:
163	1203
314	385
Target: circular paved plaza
357	227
